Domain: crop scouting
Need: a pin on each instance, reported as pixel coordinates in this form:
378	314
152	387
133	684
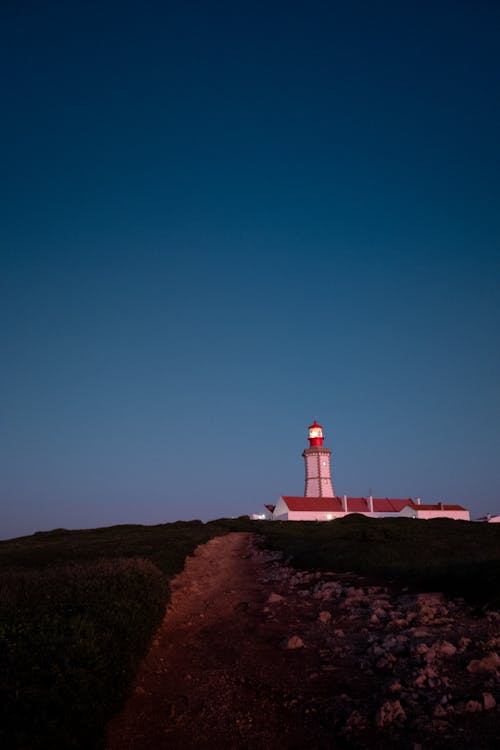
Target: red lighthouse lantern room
315	434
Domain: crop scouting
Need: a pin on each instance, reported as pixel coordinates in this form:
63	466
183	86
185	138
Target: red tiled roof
359	504
326	504
391	505
438	506
354	504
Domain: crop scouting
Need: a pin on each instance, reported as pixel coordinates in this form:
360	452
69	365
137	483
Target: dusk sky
220	220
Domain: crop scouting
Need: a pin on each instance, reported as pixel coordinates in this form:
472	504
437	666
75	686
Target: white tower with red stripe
318	471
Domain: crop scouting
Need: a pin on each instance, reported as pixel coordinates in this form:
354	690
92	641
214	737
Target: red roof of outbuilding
327	504
439	506
359	504
391	505
354	504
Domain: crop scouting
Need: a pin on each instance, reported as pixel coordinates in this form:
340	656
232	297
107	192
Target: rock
390	712
427	614
395	687
380	604
421	680
395	644
139	690
355	593
439	711
324	616
422	649
339	633
447	649
430	597
328	590
355	720
425	676
489	663
374	620
473	706
438	649
293	643
273	598
401	622
489	701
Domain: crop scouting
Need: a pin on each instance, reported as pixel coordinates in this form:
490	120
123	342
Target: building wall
457	515
426	515
281	513
312	515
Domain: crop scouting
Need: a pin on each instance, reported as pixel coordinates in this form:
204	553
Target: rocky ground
253	654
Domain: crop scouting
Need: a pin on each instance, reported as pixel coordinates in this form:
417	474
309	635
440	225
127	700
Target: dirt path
211	676
254	655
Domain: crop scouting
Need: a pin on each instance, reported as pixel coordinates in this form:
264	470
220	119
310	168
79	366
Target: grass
77	612
79	608
457	557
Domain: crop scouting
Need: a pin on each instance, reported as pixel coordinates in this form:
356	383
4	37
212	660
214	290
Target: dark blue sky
220	220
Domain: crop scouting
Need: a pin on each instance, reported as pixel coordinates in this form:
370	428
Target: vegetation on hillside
77	612
457	557
79	608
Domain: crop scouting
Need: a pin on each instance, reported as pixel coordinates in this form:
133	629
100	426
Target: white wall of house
457	515
426	515
283	513
281	510
312	515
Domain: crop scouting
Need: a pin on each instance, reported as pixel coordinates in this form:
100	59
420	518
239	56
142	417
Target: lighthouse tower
317	458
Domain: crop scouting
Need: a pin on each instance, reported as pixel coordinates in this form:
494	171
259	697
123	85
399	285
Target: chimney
344	503
370	504
418	501
441	506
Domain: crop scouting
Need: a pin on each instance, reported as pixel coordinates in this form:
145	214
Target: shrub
77	612
70	641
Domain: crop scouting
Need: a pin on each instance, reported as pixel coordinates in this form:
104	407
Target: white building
319	502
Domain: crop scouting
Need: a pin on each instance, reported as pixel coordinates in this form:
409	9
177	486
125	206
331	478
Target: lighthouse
318	471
